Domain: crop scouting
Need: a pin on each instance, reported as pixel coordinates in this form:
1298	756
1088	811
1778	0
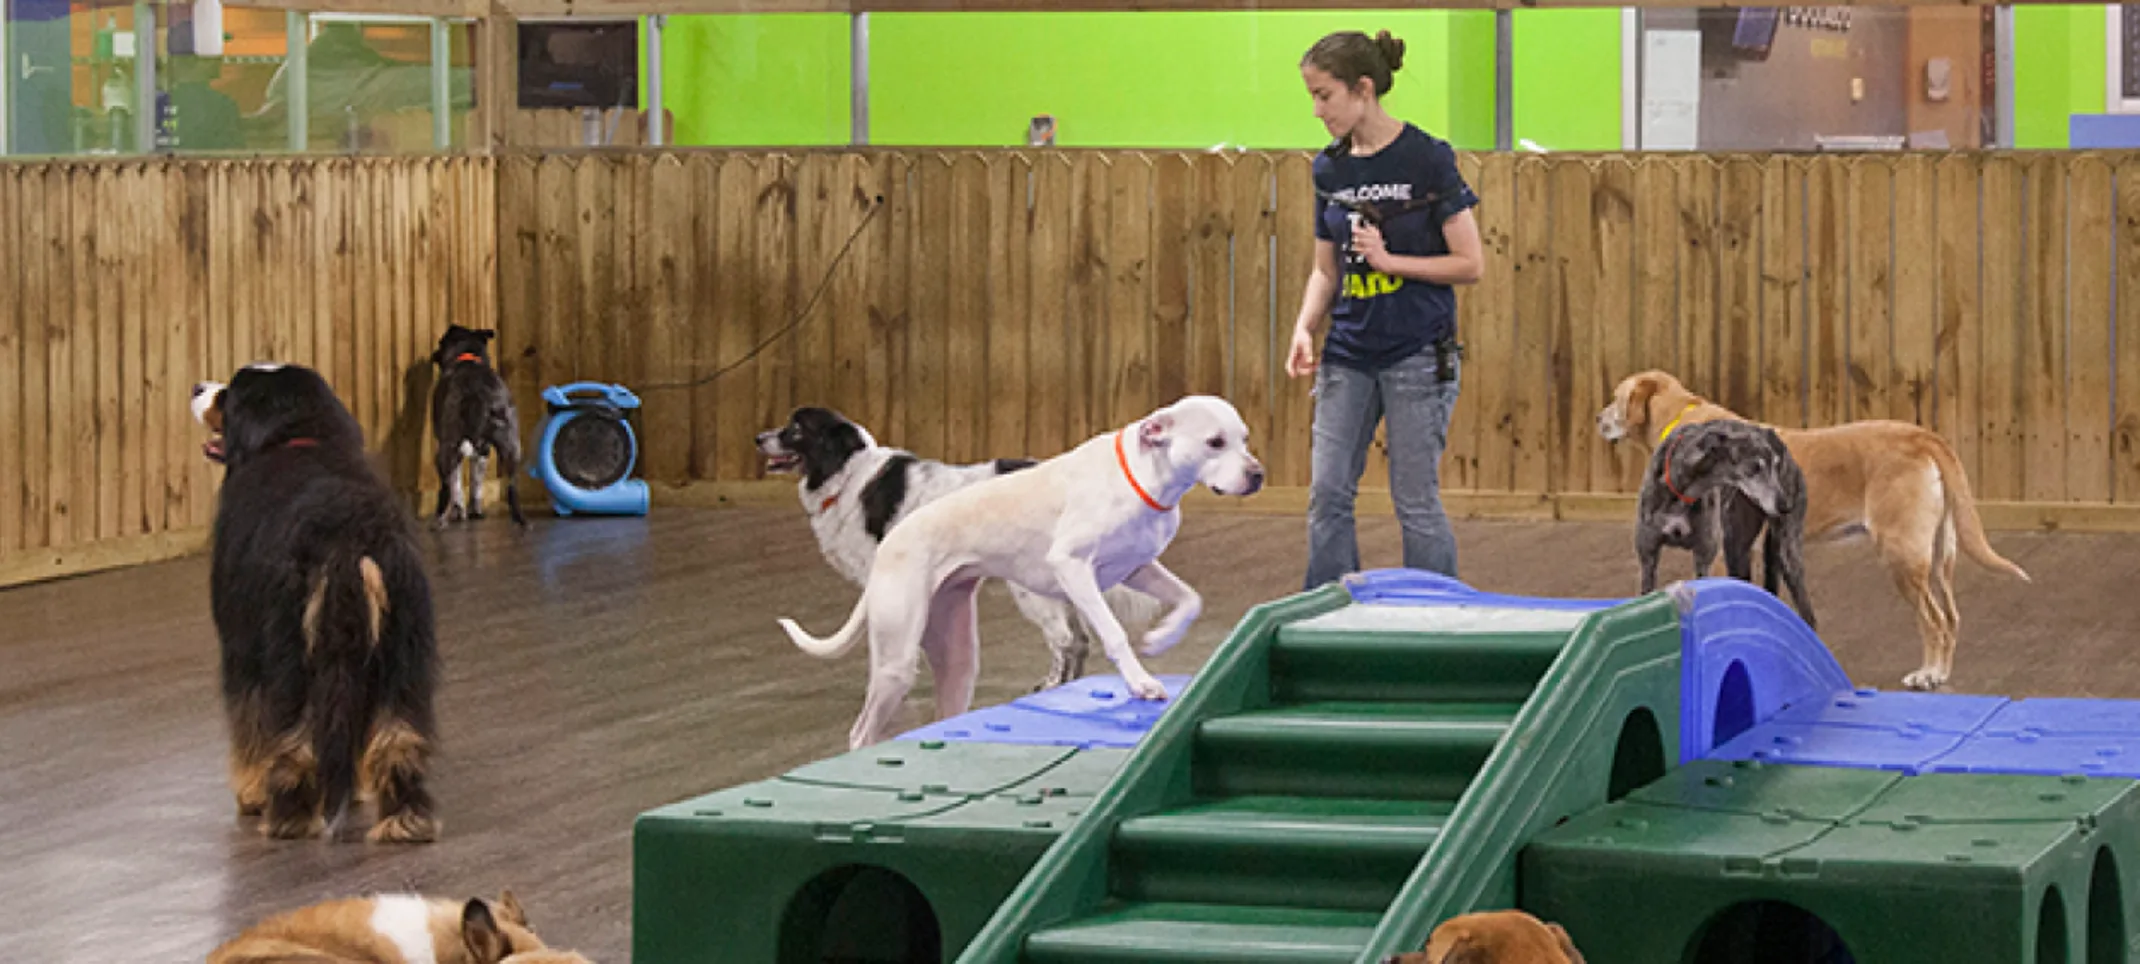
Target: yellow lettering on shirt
1371	284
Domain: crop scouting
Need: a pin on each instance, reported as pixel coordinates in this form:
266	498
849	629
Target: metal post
2005	33
654	111
1504	80
441	85
858	78
1630	78
7	75
298	26
144	77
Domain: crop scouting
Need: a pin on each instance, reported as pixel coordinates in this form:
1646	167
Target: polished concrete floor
600	667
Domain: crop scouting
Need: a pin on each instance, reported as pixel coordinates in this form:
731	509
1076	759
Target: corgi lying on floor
395	929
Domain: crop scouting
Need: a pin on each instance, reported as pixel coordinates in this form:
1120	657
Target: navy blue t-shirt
1378	319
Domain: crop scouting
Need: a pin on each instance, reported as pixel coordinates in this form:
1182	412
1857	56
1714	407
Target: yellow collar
1674	423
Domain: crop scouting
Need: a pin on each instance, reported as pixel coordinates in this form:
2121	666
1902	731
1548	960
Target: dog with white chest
1068	528
855	490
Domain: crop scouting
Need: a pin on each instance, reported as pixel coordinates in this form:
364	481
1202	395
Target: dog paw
1925	680
293	828
1159	641
439	522
404	828
475	513
1146	687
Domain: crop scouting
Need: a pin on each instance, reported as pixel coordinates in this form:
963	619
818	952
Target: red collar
302	443
1122	459
468	356
1668	486
829	500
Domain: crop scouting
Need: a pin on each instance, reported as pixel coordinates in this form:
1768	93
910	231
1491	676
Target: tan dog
395	929
1899	484
1494	937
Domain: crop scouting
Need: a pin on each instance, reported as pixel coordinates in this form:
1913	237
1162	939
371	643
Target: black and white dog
323	609
471	415
854	491
1726	481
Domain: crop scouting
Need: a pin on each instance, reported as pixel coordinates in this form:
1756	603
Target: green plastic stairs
1341	777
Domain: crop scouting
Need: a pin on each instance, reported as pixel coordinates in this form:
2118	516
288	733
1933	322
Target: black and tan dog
395	929
323	609
1900	485
1727	481
471	416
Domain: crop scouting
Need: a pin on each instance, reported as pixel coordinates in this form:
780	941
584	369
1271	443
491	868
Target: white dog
1068	528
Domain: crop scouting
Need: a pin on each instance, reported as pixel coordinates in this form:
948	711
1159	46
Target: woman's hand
1367	243
1301	359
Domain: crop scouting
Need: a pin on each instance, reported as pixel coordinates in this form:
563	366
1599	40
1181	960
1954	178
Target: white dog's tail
840	642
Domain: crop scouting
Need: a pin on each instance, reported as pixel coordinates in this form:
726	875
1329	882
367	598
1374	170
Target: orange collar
468	356
1668	486
1122	459
829	500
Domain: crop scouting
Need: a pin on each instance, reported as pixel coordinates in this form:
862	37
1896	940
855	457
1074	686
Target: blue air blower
588	449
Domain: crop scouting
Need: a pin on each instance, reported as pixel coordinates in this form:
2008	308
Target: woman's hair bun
1392	49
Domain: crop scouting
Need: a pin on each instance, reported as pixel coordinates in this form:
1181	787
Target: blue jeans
1348	405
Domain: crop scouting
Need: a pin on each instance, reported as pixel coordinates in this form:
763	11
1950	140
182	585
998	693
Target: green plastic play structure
1337	781
1358	763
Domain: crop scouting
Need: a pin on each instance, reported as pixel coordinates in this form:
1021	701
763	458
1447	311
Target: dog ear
486	333
1567	944
1464	951
1153	433
480	934
1638	401
509	909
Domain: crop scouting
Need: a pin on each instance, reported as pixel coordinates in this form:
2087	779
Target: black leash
822	284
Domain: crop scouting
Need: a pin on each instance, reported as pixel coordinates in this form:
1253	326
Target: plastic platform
892	853
1345	773
1093	712
1917	733
1844	864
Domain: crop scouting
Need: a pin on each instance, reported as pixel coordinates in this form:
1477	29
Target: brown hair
1349	55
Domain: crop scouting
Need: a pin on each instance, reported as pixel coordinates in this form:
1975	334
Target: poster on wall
1671	90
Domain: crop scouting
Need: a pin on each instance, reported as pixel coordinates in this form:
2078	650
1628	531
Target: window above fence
201	78
402	76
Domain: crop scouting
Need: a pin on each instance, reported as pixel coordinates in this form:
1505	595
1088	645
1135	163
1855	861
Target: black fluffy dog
1732	476
472	415
324	613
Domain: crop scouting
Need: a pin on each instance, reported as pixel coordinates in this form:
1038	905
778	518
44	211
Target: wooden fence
128	282
1015	302
1009	303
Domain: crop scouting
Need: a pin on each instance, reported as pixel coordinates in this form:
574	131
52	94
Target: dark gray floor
597	668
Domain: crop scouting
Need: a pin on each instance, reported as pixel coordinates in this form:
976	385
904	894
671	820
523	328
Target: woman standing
1393	233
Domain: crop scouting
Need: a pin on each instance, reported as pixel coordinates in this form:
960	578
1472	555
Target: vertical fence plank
1959	409
1537	301
2043	331
2090	351
1488	329
1739	251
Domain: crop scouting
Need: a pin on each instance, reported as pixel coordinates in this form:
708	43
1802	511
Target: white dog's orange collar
1122	458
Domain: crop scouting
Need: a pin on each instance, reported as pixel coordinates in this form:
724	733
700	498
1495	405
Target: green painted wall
2058	70
1567	78
1471	80
756	79
1170	80
1167	80
1192	80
